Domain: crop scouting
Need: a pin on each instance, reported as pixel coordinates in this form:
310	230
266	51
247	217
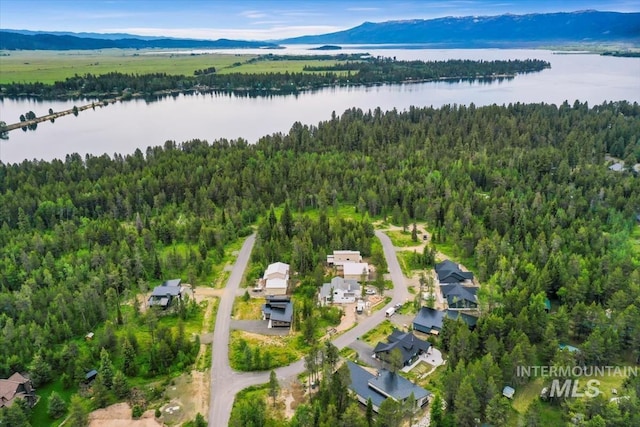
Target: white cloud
363	9
253	14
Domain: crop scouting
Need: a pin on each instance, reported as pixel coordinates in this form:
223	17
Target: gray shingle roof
455	292
339	283
377	388
429	318
449	272
408	344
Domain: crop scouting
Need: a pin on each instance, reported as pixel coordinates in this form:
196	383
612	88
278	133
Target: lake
125	126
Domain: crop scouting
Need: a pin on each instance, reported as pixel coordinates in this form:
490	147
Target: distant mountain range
15	40
491	31
532	30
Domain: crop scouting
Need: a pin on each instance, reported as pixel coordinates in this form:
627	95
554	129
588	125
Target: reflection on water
139	123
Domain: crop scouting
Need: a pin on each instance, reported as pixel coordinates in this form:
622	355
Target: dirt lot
119	415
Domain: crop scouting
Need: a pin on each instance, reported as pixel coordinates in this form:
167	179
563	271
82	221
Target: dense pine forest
524	190
366	71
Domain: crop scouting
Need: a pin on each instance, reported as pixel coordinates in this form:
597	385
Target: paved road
225	382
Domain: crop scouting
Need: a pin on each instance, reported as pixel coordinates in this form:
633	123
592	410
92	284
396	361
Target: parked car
370	292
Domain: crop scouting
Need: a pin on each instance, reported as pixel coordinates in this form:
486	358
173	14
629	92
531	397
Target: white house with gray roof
339	291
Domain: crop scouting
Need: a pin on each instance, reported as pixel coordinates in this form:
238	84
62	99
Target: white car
370	292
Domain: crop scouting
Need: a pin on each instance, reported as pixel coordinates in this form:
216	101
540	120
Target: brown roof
12	388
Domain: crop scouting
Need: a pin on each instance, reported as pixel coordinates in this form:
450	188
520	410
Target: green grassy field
51	66
247	310
402	239
39	416
407	262
379	333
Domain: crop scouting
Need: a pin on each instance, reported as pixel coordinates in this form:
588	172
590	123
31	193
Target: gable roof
431	319
15	386
385	384
172	282
455	292
277	267
449	272
166	291
408	344
338	283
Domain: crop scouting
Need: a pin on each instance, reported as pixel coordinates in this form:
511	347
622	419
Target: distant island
623	54
327	47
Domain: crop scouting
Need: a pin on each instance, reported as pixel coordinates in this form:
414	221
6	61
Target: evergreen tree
78	414
57	406
467	408
274	387
389	413
105	371
120	385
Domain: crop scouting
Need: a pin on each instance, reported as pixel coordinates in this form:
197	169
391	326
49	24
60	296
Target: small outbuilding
508	392
90	376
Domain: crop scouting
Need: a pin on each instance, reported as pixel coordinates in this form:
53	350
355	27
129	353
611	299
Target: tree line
366	71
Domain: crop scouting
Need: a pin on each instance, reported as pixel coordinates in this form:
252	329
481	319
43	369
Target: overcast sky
258	20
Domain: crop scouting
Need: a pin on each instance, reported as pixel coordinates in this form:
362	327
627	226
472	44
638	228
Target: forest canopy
523	189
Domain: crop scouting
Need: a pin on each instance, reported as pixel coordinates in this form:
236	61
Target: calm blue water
123	127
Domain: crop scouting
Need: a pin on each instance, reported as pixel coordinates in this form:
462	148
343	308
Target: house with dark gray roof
164	295
278	310
450	272
430	321
460	297
383	385
409	345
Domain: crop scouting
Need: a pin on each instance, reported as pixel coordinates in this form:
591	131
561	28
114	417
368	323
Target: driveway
365	353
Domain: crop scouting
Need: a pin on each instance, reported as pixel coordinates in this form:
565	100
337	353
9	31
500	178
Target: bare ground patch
120	415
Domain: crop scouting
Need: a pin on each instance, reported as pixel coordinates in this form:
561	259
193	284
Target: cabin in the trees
278	310
339	291
409	345
383	385
276	279
164	295
617	167
90	376
16	387
508	392
430	321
